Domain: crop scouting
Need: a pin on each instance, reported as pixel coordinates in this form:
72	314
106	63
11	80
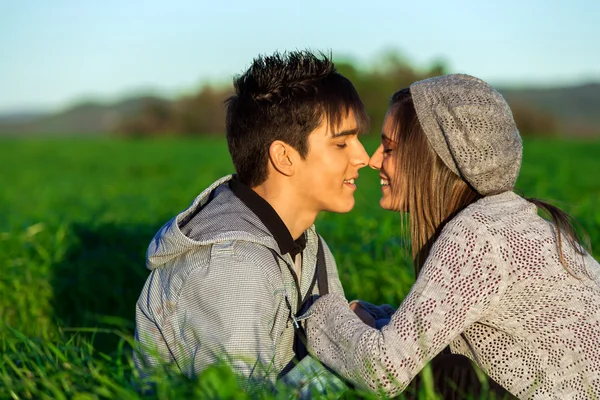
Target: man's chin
343	208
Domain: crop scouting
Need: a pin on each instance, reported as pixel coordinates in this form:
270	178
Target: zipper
298	289
299	346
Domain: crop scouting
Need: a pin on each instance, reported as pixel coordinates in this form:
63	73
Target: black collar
269	217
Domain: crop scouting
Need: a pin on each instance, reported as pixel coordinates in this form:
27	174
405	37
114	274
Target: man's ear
282	157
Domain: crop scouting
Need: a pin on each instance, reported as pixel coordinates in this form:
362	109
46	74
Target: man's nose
362	157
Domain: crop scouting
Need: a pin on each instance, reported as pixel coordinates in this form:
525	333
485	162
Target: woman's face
385	160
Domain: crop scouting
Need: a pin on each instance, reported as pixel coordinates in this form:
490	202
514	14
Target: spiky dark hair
285	96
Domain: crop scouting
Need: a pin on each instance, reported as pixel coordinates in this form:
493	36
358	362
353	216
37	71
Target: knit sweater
494	289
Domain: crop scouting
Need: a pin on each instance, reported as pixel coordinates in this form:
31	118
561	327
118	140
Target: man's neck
287	205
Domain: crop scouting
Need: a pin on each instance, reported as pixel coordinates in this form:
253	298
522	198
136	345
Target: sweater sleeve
383	311
460	282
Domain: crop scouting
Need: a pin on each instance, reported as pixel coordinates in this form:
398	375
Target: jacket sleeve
460	281
225	312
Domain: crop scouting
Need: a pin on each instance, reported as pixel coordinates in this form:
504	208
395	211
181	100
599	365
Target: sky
56	53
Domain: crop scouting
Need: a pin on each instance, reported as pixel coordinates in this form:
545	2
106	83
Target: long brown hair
433	194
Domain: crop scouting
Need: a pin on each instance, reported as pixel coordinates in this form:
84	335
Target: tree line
203	112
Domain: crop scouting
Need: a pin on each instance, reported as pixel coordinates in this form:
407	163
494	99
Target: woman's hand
362	314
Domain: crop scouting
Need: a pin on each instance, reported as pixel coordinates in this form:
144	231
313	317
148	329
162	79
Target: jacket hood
216	215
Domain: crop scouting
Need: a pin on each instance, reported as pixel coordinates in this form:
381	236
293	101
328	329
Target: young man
231	273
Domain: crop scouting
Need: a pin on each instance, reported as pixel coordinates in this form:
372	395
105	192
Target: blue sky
55	53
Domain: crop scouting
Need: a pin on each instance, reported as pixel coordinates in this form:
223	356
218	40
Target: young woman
517	294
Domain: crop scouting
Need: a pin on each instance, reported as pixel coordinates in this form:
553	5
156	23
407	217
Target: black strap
321	277
322	270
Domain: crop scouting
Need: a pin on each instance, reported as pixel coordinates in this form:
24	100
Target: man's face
326	178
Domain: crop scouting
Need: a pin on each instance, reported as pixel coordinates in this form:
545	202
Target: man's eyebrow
347	132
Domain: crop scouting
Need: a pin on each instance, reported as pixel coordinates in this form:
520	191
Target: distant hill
576	110
20	117
85	119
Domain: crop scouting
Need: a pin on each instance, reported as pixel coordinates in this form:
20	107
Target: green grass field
77	215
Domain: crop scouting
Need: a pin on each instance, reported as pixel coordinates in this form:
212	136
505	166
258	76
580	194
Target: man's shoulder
241	250
229	259
314	240
220	262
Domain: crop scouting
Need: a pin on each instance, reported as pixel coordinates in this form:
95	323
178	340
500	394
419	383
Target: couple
241	276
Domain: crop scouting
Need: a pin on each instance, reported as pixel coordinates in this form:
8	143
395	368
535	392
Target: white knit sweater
493	288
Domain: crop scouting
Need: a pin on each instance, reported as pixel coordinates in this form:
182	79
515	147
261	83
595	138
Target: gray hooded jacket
219	293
